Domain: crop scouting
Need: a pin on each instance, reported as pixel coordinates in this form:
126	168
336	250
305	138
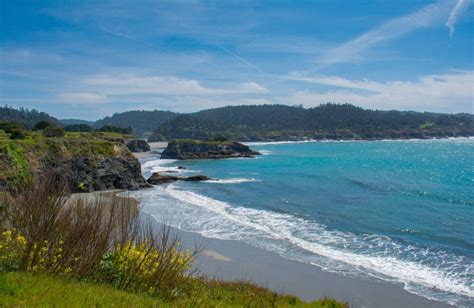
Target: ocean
400	211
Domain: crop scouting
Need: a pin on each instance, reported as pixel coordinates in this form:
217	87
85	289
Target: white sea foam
162	165
341	251
232	181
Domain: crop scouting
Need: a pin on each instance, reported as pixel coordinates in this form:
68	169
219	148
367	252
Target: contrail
240	59
458	9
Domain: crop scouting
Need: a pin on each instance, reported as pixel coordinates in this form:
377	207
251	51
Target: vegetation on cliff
88	161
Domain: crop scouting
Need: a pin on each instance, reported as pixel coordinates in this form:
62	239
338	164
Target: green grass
38	290
33	290
19	158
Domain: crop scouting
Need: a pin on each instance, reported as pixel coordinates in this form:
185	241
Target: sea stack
203	149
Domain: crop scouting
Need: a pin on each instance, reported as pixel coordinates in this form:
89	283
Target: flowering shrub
15	250
12	248
146	267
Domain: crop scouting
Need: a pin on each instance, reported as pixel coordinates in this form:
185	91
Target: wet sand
235	260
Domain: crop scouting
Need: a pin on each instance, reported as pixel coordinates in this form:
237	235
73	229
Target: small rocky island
206	149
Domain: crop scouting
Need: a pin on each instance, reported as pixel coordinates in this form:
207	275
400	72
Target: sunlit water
401	211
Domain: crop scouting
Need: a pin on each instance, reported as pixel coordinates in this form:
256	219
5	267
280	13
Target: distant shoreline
250	143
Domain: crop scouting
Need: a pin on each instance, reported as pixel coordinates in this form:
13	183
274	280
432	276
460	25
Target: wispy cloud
353	50
83	97
460	7
173	92
450	92
130	84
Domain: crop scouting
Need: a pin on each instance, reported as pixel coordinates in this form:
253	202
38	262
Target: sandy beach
234	260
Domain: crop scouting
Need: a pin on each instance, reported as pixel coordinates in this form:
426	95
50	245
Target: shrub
16	130
220	138
53	132
115	129
41	125
99	237
147	265
12	247
17	134
78	128
9	127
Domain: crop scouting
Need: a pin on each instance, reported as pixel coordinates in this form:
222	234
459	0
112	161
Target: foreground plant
98	237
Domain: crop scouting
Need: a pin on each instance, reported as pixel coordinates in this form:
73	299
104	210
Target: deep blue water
401	211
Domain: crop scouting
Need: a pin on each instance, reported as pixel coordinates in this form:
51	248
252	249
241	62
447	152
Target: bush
100	238
16	130
9	127
53	132
147	266
17	134
220	138
115	129
12	248
78	128
41	125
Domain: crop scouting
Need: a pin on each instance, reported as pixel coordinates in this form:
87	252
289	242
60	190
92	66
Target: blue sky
89	59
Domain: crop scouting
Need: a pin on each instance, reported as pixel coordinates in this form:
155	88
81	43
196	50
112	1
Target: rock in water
197	149
157	179
197	178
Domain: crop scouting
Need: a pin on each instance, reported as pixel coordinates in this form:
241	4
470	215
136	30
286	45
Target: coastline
257	143
234	260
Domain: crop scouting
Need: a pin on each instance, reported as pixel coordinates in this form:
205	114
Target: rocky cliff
135	145
196	149
87	162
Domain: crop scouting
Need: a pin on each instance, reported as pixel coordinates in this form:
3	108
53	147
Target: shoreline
232	260
257	143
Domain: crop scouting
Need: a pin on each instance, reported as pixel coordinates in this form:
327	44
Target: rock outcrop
197	178
133	144
196	149
159	178
86	163
138	145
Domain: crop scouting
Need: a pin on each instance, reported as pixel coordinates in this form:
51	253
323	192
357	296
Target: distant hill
142	122
25	116
76	121
327	121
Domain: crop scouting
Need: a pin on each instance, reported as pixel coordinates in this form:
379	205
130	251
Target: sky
89	59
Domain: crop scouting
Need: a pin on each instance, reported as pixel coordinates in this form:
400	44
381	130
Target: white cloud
451	92
167	92
460	7
82	97
128	84
353	50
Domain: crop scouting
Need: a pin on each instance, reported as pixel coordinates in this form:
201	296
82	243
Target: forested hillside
27	118
141	121
328	121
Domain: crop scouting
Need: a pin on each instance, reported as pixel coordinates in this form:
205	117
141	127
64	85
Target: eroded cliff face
85	162
194	149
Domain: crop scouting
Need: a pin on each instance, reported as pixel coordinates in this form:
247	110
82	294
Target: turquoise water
401	211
